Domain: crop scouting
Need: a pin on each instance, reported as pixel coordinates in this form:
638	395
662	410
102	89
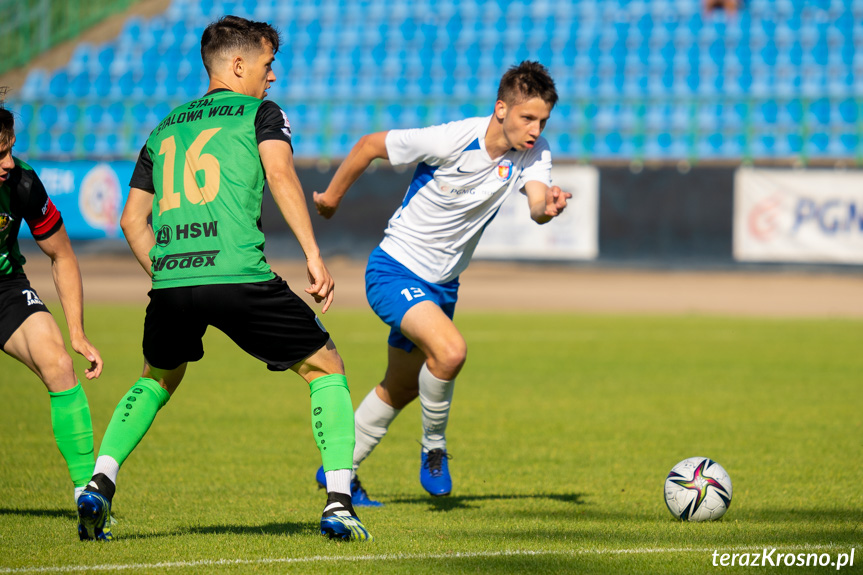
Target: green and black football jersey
203	165
23	197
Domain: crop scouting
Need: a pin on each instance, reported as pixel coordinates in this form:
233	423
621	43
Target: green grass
563	430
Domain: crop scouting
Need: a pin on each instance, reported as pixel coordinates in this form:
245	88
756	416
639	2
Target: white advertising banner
571	236
798	216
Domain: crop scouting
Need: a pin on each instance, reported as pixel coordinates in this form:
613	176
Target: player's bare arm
136	228
278	162
70	290
369	148
546	202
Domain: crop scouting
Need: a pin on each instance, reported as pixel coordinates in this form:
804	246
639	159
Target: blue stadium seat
117	112
614	142
769	113
48	116
105	56
757	81
25	114
792	113
103	85
126	84
131	33
850	144
794	143
109	143
172	87
43	143
93	115
764	146
80	85
710	145
66	143
820	109
70	115
818	143
80	60
849	111
59	85
22	142
35	85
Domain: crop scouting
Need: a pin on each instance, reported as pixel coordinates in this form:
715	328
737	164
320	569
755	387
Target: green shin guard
132	418
73	431
333	421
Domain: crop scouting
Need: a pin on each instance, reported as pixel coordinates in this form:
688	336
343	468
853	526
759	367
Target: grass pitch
563	429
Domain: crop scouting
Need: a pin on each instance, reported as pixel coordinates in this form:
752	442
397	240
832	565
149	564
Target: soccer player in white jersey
465	170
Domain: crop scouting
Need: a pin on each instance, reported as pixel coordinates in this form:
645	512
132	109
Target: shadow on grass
753	516
452	502
65	513
288	528
274	529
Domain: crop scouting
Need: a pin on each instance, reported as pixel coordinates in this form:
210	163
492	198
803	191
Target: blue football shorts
392	290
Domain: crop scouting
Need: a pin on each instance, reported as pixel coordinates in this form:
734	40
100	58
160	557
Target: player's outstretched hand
324	205
83	346
555	201
322	286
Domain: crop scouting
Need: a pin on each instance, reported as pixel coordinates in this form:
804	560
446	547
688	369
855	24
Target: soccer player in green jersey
201	176
26	332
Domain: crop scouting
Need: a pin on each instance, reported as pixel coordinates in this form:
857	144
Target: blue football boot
434	472
359	497
94	517
340	521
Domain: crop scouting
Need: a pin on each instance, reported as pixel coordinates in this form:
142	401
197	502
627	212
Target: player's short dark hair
525	81
7	120
235	33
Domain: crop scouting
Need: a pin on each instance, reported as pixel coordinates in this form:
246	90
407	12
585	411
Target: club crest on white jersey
456	190
504	170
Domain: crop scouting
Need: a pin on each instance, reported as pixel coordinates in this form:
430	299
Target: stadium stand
639	80
29	27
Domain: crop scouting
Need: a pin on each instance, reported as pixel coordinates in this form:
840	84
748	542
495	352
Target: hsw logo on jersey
5	220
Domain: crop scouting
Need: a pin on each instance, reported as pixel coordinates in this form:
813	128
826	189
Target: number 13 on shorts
412	293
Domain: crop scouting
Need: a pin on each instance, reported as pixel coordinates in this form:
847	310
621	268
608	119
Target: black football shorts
18	301
266	319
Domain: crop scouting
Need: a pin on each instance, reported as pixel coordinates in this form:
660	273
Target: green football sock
333	421
132	418
73	431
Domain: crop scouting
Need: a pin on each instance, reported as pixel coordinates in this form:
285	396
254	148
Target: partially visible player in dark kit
28	331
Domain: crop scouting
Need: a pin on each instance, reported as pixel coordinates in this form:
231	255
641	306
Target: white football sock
109	466
371	420
435	399
339	480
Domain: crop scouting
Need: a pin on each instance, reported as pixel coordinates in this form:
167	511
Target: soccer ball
698	489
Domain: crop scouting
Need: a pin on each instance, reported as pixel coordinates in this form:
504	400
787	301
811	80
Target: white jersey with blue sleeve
456	190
